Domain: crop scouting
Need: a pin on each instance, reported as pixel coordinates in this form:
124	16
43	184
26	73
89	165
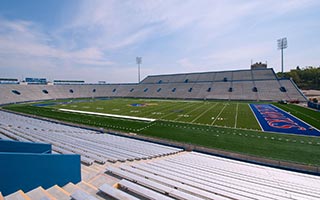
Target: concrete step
98	167
90	189
86	175
102	179
71	188
18	195
81	195
59	193
89	169
40	194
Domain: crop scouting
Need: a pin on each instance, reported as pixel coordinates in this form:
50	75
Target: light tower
282	44
139	61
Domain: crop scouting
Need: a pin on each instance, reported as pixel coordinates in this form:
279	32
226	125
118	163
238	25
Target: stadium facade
250	85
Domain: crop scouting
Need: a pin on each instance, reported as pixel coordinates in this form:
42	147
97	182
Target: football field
225	114
224	125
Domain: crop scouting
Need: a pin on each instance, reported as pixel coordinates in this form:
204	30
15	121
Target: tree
305	78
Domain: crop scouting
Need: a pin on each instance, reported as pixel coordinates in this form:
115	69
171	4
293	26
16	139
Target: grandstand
124	168
251	85
119	166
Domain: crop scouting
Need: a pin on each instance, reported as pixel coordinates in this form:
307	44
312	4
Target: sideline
109	115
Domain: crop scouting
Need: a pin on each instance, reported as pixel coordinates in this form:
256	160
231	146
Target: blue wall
27	171
24	147
314	105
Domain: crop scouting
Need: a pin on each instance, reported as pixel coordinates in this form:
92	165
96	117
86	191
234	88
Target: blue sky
95	40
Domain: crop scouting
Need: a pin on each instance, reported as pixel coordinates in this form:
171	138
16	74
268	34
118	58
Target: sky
99	40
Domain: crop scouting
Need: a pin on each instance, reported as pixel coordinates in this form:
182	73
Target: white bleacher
4	137
202	176
152	79
219	90
181	90
242	90
91	146
207	77
202	90
142	191
193	77
220	76
115	193
176	78
269	90
263	74
292	91
242	75
196	91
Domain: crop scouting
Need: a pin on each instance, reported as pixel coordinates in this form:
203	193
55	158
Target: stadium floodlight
282	44
139	61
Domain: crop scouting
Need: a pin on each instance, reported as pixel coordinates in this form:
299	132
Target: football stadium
222	133
145	140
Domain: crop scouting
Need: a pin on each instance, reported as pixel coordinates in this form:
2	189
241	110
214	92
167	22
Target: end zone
273	119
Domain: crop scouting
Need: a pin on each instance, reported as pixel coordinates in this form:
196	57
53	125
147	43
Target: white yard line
236	117
219	114
109	115
161	109
171	113
188	112
195	119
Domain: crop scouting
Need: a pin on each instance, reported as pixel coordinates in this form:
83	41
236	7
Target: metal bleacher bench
142	191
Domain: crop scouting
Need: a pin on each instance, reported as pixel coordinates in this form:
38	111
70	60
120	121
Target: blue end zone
138	105
274	119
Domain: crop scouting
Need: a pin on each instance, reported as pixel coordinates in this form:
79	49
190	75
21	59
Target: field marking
299	112
236	117
109	115
190	112
225	105
204	113
170	113
187	101
160	108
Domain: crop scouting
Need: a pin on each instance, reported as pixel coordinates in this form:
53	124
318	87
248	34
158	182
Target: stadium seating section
125	168
253	85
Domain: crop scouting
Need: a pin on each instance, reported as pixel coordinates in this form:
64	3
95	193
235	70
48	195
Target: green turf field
191	122
225	114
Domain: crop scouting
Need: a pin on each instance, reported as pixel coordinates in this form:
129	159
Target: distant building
68	82
9	81
40	81
259	65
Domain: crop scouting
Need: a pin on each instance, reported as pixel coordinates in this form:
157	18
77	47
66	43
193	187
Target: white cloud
23	46
118	24
99	37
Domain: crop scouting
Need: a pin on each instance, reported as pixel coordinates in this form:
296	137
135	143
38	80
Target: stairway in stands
87	189
94	186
